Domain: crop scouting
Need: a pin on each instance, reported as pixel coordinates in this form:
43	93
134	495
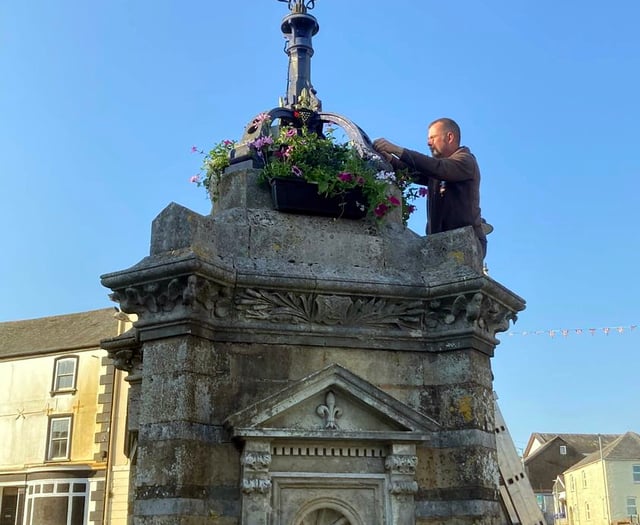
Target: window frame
563	450
633	505
55	388
50	439
635	473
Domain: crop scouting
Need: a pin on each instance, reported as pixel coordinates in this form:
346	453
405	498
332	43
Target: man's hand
387	149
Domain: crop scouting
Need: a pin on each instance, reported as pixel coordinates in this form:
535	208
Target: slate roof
582	443
625	448
58	333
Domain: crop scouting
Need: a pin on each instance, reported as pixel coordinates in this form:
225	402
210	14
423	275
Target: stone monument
289	369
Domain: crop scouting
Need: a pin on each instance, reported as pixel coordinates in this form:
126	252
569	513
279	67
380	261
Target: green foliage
335	168
213	166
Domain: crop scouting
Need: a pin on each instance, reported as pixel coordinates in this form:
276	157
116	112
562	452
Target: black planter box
298	196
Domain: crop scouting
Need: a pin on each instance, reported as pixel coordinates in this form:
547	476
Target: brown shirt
454	189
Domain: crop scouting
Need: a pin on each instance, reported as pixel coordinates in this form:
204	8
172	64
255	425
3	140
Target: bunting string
566	332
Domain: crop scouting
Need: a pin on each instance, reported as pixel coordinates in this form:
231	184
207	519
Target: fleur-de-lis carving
330	411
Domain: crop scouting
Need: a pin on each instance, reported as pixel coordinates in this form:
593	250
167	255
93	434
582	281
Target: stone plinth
248	319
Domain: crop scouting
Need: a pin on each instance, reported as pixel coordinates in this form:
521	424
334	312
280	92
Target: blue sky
101	102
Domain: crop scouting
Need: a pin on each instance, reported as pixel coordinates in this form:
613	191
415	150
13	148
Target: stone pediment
332	403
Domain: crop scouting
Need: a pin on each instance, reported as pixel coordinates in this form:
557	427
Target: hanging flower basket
299	196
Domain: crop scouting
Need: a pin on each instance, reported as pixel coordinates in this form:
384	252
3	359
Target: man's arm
458	167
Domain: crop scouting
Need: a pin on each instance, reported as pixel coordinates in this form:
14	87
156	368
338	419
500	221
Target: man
452	177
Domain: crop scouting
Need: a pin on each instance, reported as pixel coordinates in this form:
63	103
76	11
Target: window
563	450
632	508
59	438
64	374
587	511
572	482
57	501
636	473
584	479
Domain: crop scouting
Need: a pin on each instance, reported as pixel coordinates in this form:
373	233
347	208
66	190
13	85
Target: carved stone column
256	483
401	468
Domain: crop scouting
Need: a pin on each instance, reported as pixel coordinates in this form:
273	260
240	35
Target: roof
58	333
581	443
625	448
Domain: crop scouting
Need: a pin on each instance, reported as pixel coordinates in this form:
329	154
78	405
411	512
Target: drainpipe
606	485
113	430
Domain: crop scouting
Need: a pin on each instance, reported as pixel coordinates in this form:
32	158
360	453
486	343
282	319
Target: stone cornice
476	307
312	281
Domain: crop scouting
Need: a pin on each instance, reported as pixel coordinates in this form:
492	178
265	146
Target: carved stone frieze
397	464
468	311
403	488
127	359
189	291
194	293
330	310
256	486
256	461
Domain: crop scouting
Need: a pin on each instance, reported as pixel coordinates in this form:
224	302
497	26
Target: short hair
450	125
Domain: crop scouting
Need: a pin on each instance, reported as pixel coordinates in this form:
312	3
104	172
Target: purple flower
380	210
345	176
423	191
195	179
194	149
260	142
410	209
227	143
296	171
360	181
394	200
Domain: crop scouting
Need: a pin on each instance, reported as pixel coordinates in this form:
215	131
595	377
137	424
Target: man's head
443	137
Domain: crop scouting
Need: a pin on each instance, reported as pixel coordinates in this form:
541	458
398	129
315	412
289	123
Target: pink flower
262	117
227	142
410	209
283	152
195	179
296	171
360	181
423	191
291	132
345	176
194	149
394	200
260	142
380	210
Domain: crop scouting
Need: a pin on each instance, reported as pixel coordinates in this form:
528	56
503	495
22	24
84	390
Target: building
605	486
62	417
548	455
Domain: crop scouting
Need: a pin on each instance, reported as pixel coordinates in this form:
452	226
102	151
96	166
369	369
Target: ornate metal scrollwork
299	6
